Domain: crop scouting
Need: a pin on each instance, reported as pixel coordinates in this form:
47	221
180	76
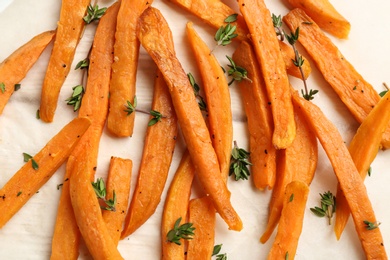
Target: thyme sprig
371	225
201	102
2	87
384	91
156	117
83	64
100	190
328	206
225	34
239	163
216	250
94	13
130	108
27	157
184	231
76	97
236	72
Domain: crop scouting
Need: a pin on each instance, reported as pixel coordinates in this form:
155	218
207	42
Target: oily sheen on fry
156	37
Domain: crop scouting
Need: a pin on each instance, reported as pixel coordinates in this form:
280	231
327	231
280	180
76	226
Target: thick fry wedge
156	37
291	221
325	15
348	177
356	93
176	206
124	68
259	115
363	149
14	68
273	69
70	28
216	92
27	181
159	145
94	106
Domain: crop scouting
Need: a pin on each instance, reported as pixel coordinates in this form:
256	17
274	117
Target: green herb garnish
216	250
156	117
100	190
184	231
236	72
83	64
130	108
94	13
371	225
201	102
76	97
27	157
239	163
328	206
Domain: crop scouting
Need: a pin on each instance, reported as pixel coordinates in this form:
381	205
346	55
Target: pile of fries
123	152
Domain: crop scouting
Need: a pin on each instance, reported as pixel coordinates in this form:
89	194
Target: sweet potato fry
176	206
259	116
273	69
348	177
156	37
291	221
124	68
70	28
26	182
296	163
202	216
216	92
14	68
363	149
94	106
118	181
88	214
325	15
356	93
159	145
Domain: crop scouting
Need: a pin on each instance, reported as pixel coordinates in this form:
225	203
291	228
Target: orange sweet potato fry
356	93
291	221
156	37
273	69
14	68
27	181
124	68
348	176
159	145
363	149
70	28
176	206
296	163
216	92
325	15
118	181
202	216
259	115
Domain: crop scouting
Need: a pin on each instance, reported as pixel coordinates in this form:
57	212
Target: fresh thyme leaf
156	117
94	13
130	108
236	72
225	34
293	37
27	157
231	18
184	231
83	64
76	97
383	93
216	250
100	190
2	87
17	87
201	102
309	96
328	206
37	115
369	171
19	193
286	256
239	163
291	197
371	225
277	20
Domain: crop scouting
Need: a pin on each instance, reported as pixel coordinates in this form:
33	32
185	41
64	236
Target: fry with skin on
94	106
14	68
156	37
291	221
118	181
176	206
27	181
69	31
363	149
356	93
259	116
273	68
124	68
325	15
157	155
348	176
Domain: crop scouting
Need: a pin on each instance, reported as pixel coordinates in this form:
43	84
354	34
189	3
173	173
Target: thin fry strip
202	216
94	106
259	115
156	37
118	182
70	28
273	68
176	206
27	181
296	163
291	221
363	149
348	177
124	68
157	155
216	91
14	68
356	93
